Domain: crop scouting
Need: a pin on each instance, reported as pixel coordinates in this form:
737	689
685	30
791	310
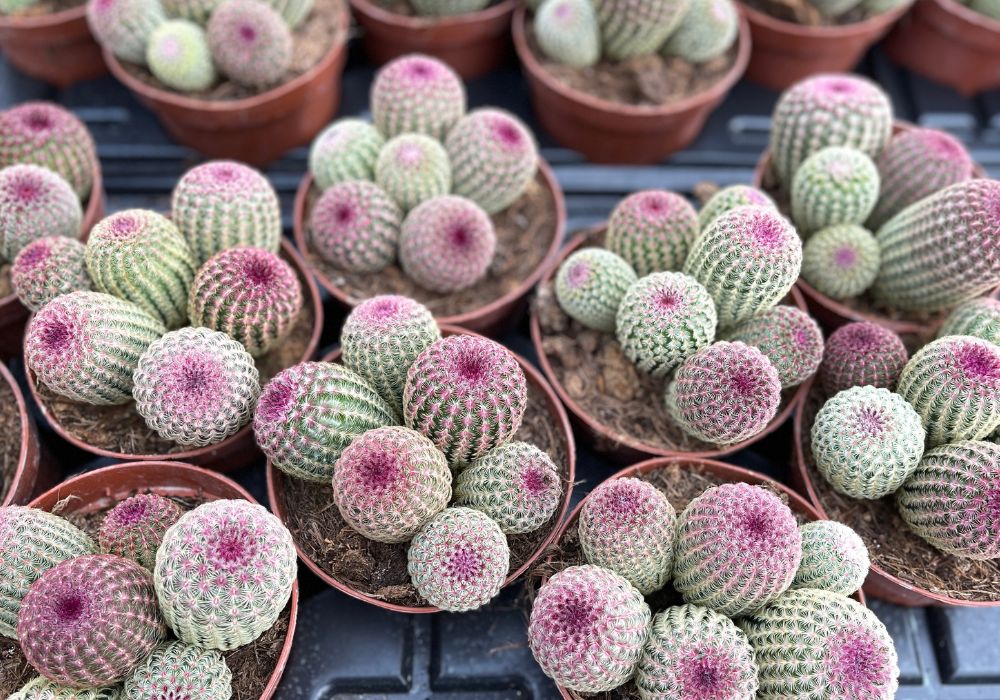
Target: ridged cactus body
567	32
47	268
412	168
834	558
345	150
39	688
636	27
34	203
834	186
446	8
728	198
179	57
841	261
134	528
789	337
652	230
250	42
125	26
706	31
179	670
979	318
355	227
862	354
292	11
416	94
590	285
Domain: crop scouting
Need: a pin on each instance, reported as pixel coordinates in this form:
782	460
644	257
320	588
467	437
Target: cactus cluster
179	670
834	186
35	202
979	318
841	261
788	337
590	286
729	198
134	528
346	150
567	32
355	226
250	42
834	558
630	29
706	31
413	168
862	354
652	230
179	56
417	94
47	268
125	26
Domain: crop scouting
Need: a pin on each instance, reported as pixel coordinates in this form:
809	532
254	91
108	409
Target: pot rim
416	22
26	434
829	32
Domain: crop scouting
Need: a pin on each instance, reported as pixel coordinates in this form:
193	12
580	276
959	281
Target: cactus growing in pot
788	337
292	11
862	354
179	57
47	268
841	261
630	29
198	11
355	226
446	8
979	318
179	670
834	186
729	198
345	150
652	230
706	31
39	688
34	203
567	32
413	168
134	528
250	42
125	26
416	94
590	286
834	558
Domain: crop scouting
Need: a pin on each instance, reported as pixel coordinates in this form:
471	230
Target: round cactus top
621	504
835	87
224	179
652	206
864	338
138	510
765	231
416	73
935	145
264	278
59	331
385	312
964	360
498	131
28	186
38	122
749	519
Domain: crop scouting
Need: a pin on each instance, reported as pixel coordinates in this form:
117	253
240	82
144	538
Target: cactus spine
834	186
47	268
590	285
652	231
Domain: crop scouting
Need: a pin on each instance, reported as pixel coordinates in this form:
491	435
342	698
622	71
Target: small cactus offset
355	226
834	558
841	261
250	294
345	150
663	319
134	528
867	441
862	354
587	629
835	186
707	30
653	231
413	168
179	57
179	670
39	688
446	8
728	198
979	318
34	203
516	485
630	29
567	32
292	11
198	11
459	560
124	27
738	547
416	94
232	546
250	42
89	621
86	346
789	337
590	285
467	394
47	268
627	525
390	482
309	413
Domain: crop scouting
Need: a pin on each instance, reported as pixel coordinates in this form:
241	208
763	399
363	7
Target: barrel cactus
979	318
567	32
179	57
412	168
39	688
630	29
841	261
834	186
179	670
354	226
862	354
789	337
250	42
346	150
47	268
707	30
834	558
446	8
135	527
34	203
590	285
417	94
124	27
652	230
729	198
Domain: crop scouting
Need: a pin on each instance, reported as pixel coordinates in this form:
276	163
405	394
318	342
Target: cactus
250	42
32	541
567	32
390	482
517	485
828	110
696	653
652	230
459	560
587	629
40	688
413	168
354	226
841	261
223	204
250	294
35	202
310	412
989	8
627	525
416	94
748	259
345	150
445	8
467	394
590	285
834	558
862	354
89	621
140	256
135	527
630	29
877	7
728	198
788	337
178	670
724	394
124	27
867	441
663	319
493	158
979	318
953	498
47	268
292	11
224	573
197	11
86	346
447	244
706	31
738	547
179	57
834	186
834	8
16	7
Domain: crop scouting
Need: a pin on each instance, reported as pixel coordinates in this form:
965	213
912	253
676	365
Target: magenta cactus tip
135	527
862	354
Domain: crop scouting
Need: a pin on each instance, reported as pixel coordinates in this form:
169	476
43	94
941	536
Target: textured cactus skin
47	268
250	294
179	57
663	319
841	648
86	346
444	8
979	318
467	394
140	256
737	549
32	541
198	11
862	354
788	337
867	441
516	485
310	412
990	8
694	652
834	558
179	670
416	94
390	482
724	394
255	58
43	689
652	231
292	11
413	168
952	498
223	204
828	110
836	185
355	227
232	546
345	150
627	526
963	220
459	560
841	261
567	32
728	198
134	528
196	386
587	629
747	259
636	27
590	285
89	621
124	26
706	31
35	202
447	244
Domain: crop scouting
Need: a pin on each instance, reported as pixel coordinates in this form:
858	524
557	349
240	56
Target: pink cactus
862	354
417	94
355	227
135	527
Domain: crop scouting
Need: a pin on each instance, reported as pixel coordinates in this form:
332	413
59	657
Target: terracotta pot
950	44
255	130
32	474
473	43
492	319
276	480
56	48
786	52
237	450
100	489
611	132
619	447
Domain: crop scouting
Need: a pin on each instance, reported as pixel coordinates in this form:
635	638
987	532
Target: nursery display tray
345	649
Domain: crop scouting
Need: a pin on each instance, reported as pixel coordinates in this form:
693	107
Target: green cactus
413	168
34	203
652	230
789	337
447	8
590	285
197	11
345	150
178	55
355	226
707	30
990	8
292	11
47	268
416	94
979	318
728	198
134	528
567	32
124	27
13	7
179	670
250	42
841	261
43	689
834	558
630	29
834	186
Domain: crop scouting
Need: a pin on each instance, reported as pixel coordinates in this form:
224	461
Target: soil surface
10	438
805	13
